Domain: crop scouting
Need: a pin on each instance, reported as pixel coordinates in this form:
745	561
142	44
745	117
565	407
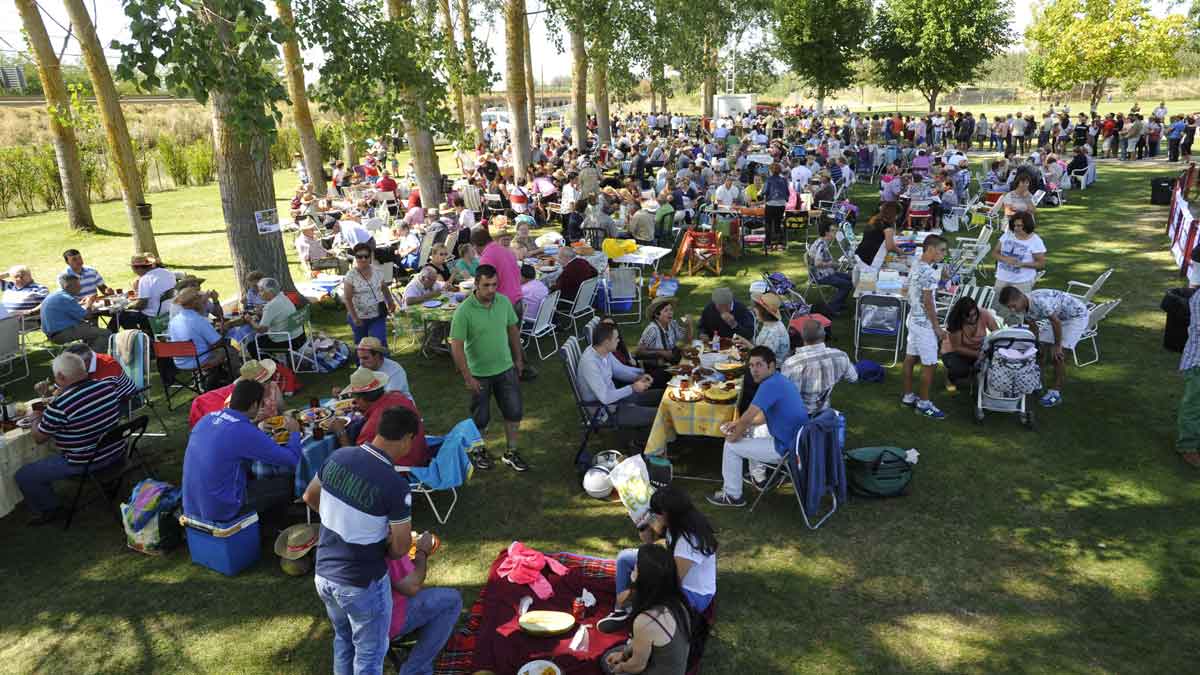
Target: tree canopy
935	45
818	39
1094	42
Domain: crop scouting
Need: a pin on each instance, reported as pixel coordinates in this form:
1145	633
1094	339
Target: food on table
282	436
720	395
685	384
327	423
343	407
311	415
701	373
685	396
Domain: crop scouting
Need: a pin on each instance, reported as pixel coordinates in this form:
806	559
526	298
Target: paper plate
310	415
540	667
431	303
543	622
343	407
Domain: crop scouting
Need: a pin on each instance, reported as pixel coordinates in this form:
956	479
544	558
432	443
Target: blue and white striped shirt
89	280
23	299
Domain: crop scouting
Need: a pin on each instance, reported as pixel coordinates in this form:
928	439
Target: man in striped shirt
75	420
21	294
90	281
815	368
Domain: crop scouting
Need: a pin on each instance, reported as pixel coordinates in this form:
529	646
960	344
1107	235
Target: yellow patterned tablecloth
18	450
677	418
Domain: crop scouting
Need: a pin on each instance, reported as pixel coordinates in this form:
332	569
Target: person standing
1019	254
1187	444
485	343
925	332
367	298
366	520
775	193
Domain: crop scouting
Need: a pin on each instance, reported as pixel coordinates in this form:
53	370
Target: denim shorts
507	391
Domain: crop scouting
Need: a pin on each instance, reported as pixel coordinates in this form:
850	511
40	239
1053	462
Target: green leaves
818	40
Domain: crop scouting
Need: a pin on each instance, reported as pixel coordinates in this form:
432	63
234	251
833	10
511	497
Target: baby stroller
793	301
1009	375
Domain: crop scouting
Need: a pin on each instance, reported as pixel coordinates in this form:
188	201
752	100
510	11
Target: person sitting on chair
22	295
423	287
815	368
76	420
190	326
99	364
575	271
824	267
372	355
220	446
65	320
429	612
726	317
772	420
276	315
368	388
635	403
533	294
661	637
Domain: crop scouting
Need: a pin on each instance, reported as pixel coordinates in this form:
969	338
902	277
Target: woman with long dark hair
966	327
660	639
692	543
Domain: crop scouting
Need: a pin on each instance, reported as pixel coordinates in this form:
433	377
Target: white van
500	117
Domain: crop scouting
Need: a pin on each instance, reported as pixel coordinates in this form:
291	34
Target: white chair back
622	283
586	295
1100	312
1097	285
10	338
545	314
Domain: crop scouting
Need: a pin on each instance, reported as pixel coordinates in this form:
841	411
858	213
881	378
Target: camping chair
387	199
297	356
707	252
624	287
581	306
194	377
543	326
984	297
137	369
595	236
811	285
493	205
159	325
920	210
473	200
111	477
445	473
1086	292
879	315
792	462
1096	314
590	329
451	243
664	226
593	416
1080	175
12	348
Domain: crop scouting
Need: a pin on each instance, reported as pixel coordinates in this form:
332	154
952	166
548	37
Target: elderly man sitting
219	448
726	317
189	325
371	399
21	294
75	420
313	253
575	271
423	287
274	323
816	368
635	404
65	320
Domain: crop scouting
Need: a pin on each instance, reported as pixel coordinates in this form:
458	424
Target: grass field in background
1072	548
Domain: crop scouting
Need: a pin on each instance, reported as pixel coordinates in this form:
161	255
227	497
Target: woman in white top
1017	200
367	298
1019	255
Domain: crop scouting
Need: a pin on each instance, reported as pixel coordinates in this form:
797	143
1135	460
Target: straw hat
143	260
365	379
659	301
372	343
188	280
560	175
769	302
260	371
189	297
296	541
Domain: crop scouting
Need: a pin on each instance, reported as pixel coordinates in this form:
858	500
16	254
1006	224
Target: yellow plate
542	622
343	407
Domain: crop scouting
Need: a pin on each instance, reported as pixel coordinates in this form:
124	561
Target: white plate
538	667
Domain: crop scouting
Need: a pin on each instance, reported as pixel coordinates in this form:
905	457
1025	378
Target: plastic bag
878	318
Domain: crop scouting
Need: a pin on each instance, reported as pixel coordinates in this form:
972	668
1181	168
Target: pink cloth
507	270
524	566
397	571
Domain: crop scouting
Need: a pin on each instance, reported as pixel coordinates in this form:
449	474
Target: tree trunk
710	77
932	97
58	105
600	99
820	100
293	65
347	143
579	72
473	108
1097	92
420	141
120	147
514	38
530	84
456	92
247	185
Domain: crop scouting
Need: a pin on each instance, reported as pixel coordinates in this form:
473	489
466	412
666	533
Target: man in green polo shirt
485	341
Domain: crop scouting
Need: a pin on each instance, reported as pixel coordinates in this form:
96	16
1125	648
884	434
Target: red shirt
387	184
573	275
414	198
419	454
105	366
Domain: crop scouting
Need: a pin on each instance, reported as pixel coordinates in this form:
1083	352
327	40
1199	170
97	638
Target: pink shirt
397	571
508	272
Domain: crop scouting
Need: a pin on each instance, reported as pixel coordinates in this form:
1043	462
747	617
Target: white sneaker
909	400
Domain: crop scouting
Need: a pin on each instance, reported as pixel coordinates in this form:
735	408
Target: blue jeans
627	560
843	283
36	480
433	613
361	617
376	327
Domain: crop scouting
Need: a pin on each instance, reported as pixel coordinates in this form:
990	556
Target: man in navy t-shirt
365	508
774	417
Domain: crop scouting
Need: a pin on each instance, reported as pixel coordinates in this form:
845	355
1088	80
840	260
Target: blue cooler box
227	547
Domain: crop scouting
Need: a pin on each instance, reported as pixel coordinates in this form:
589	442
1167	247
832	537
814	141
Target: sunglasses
366	256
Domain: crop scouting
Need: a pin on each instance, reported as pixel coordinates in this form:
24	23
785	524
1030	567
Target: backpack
869	371
878	471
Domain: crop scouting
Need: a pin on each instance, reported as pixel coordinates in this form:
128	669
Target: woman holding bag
367	298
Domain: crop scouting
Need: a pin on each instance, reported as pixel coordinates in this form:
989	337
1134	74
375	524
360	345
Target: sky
547	62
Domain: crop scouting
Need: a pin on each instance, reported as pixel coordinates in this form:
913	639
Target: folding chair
920	210
137	369
595	236
1086	292
593	416
111	477
581	306
810	284
792	462
297	356
590	329
1080	175
185	349
707	251
428	480
624	286
1038	197
543	326
12	348
1096	314
879	315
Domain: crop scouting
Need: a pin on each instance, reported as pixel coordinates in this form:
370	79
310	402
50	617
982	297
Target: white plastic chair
296	356
1086	292
12	348
1095	316
1082	176
581	307
543	326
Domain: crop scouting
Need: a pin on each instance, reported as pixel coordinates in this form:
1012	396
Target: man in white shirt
570	194
633	405
728	193
424	286
372	355
801	174
351	233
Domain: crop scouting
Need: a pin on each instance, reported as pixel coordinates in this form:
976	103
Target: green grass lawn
1074	548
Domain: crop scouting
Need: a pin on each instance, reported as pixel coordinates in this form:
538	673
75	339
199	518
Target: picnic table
644	256
18	449
687	418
